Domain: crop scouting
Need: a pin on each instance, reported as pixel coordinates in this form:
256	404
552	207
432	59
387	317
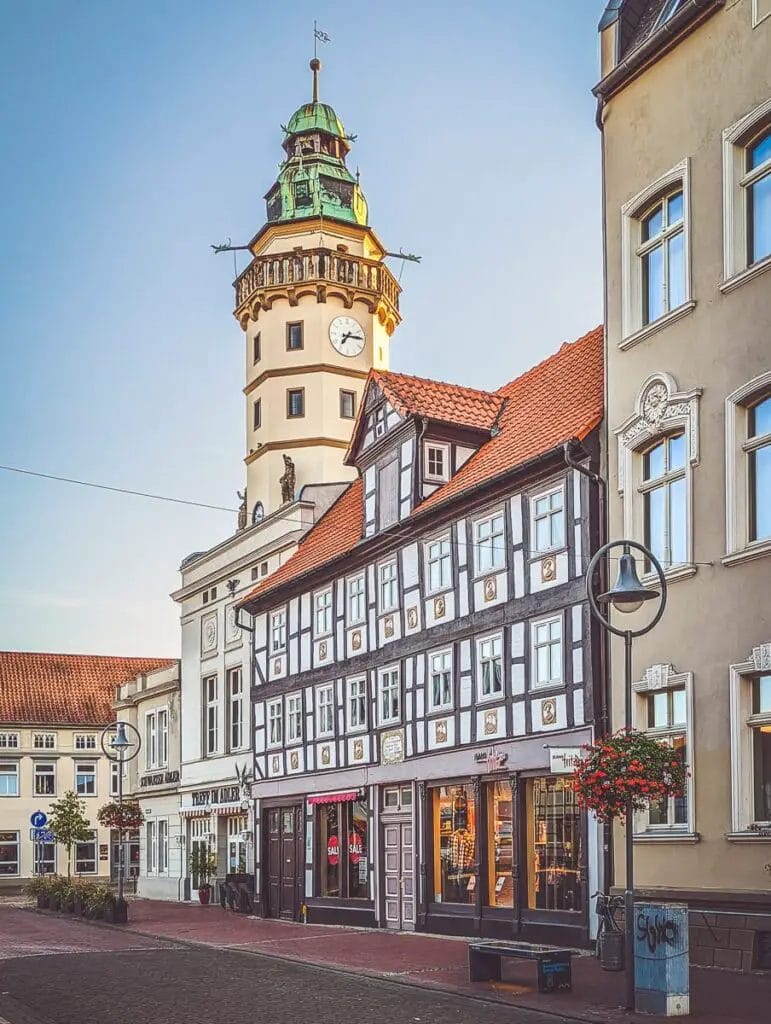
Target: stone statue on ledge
287	481
242	510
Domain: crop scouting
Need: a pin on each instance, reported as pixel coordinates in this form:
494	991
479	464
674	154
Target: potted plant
39	887
100	900
203	864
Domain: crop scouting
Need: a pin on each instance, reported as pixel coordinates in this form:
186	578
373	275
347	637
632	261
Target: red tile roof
64	689
559	399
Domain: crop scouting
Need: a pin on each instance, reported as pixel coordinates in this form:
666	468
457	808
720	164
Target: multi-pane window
662	256
9	778
760	723
389	589
278	632
256	348
388	494
45	778
390	696
667	720
294	718
45	858
9	741
357	703
236	707
9	853
379	421
294	337
549	521
114	777
757	184
325	711
163	737
758	448
347	404
85	741
150	846
44	741
356	600
275	724
440	679
547	653
665	501
211	714
85	779
438	556
257	414
323	613
490	666
295	402
151	741
437	462
489	543
163	845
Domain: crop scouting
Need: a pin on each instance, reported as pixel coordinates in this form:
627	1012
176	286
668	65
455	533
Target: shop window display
554	841
343	850
500	844
455	865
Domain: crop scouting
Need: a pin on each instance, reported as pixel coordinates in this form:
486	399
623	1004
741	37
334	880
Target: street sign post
38	819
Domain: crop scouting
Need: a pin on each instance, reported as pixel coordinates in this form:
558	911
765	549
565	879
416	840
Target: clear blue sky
134	135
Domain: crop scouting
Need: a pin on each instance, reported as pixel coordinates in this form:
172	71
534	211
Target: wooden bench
553	965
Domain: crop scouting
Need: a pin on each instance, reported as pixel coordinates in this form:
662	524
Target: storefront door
399	874
284	849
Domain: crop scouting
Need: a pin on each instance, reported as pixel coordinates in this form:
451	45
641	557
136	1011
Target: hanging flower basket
128	817
627	765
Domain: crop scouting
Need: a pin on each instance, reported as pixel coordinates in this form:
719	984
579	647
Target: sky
134	136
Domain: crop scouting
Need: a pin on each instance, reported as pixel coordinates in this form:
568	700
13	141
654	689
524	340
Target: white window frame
389	681
437	446
78	770
742	729
655	679
84	741
4	766
357	595
632	328
47	741
664	482
162	839
660	409
211	715
482	658
151	849
736	138
536	644
114	774
392	583
325	710
37	767
274	716
9	740
758	15
322	612
162	716
17	844
739	548
278	631
550	515
358	698
439	663
151	740
493	543
294	718
438	552
236	708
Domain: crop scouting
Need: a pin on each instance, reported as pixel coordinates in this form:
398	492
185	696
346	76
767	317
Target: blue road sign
38	819
40	835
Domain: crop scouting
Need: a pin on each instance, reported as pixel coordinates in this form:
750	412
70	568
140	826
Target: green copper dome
314	180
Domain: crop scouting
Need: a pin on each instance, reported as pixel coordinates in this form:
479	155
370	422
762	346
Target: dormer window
379	421
437	462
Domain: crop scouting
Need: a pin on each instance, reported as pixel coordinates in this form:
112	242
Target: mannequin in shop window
460	854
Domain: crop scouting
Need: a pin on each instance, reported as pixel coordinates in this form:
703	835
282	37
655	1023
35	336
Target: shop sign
104	853
392	746
491	760
562	760
218	795
159	779
333	850
355	848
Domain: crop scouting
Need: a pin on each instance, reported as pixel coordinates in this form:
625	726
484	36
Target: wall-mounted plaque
441	731
294	760
392	746
326	756
358	750
323	650
275	763
440	607
276	666
388	625
491	722
209	633
412	617
490	588
356	640
548	711
548	569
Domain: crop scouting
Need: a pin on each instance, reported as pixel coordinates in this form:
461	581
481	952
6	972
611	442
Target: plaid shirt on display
461	848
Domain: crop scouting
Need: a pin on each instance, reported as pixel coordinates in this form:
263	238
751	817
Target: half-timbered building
425	666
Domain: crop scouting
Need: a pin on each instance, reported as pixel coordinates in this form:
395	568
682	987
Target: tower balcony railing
285	269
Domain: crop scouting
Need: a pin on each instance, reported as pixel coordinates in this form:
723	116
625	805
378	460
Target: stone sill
747	554
658	325
745	275
673	574
747	837
667	837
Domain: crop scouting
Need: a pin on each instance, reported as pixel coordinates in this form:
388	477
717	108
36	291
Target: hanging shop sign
562	760
392	746
218	795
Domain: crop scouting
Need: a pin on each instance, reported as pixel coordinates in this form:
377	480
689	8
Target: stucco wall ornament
761	657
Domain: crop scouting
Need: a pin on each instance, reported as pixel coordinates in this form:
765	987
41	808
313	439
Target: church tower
318	307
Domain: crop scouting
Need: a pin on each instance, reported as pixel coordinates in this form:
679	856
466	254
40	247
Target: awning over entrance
334	798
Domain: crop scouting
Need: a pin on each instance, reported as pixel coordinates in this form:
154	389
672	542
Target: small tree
68	823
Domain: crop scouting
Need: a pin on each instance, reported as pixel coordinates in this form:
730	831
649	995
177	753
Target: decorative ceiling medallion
388	625
358	750
491	588
323	650
548	711
440	607
326	756
356	640
440	731
548	569
294	760
412	617
491	722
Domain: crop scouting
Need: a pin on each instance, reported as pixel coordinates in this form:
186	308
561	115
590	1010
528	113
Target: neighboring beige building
150	702
53	708
685	115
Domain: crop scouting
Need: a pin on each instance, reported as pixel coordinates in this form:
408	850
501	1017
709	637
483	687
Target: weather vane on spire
319	35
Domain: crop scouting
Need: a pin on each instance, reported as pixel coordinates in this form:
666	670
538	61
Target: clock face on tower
346	335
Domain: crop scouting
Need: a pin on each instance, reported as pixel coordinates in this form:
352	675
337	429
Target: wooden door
283	861
399	875
273	863
290	864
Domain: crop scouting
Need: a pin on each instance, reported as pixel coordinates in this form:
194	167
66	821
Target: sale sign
333	850
355	848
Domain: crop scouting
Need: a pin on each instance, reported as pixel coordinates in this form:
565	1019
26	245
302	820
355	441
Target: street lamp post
627	595
115	737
